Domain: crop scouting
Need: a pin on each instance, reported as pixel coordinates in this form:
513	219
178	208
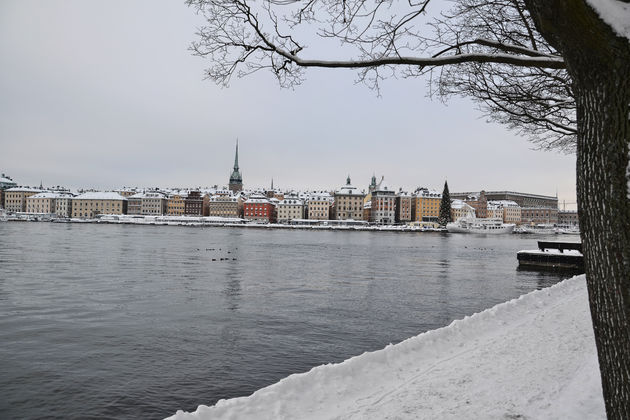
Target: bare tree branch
484	49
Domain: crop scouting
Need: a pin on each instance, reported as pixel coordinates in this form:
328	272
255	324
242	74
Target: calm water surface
111	321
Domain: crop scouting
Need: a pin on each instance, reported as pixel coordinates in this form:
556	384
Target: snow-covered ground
531	358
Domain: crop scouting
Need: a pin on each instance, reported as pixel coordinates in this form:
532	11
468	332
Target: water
112	321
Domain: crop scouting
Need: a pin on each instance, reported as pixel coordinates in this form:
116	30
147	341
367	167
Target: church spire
236	179
236	157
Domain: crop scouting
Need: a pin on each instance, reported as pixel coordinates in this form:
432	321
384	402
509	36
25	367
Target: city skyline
105	97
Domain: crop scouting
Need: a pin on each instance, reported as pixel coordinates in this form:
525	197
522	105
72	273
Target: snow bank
532	357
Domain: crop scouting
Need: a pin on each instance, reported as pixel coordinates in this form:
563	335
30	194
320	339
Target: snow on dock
530	358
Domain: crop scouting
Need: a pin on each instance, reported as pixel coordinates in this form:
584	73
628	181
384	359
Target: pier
552	255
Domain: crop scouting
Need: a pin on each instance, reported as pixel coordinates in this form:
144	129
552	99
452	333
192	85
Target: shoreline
530	357
210	221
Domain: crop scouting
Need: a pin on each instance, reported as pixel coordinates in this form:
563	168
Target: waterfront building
367	210
5	183
403	207
221	205
539	215
196	204
478	201
568	218
236	179
15	198
43	202
63	205
153	203
509	211
426	205
134	204
257	207
127	192
290	208
522	199
90	204
348	202
175	203
383	204
460	209
319	206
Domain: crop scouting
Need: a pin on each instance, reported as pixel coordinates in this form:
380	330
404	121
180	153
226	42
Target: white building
459	209
507	210
153	204
383	201
290	208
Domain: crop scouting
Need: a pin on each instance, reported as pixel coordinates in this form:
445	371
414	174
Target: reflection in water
137	322
232	290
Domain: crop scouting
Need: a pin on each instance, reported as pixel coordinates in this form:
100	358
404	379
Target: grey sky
106	94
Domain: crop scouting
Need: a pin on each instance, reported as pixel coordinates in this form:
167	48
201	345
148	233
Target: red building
259	208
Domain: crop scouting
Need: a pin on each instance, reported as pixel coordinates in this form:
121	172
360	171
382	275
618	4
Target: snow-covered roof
24	189
7	181
503	203
49	194
257	198
291	202
460	204
427	193
320	196
349	190
99	195
151	194
223	198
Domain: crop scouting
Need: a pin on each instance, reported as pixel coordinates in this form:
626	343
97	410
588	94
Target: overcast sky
105	94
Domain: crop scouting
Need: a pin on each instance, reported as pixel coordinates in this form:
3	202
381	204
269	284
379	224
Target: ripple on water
137	322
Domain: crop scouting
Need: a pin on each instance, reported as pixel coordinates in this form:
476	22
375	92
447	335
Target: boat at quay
475	225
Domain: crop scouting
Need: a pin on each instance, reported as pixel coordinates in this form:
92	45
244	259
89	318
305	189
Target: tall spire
236	157
236	179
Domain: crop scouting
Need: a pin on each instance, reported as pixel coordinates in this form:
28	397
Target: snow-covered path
530	358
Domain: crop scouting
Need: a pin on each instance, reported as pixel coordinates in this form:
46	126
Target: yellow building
91	204
426	205
319	206
44	202
225	206
507	210
15	198
175	204
349	202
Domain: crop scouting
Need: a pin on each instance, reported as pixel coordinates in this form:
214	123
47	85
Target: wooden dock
553	256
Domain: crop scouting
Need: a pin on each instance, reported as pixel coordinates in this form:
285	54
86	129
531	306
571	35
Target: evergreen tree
445	207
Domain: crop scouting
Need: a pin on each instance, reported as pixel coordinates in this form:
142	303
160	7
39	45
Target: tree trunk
599	63
604	209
